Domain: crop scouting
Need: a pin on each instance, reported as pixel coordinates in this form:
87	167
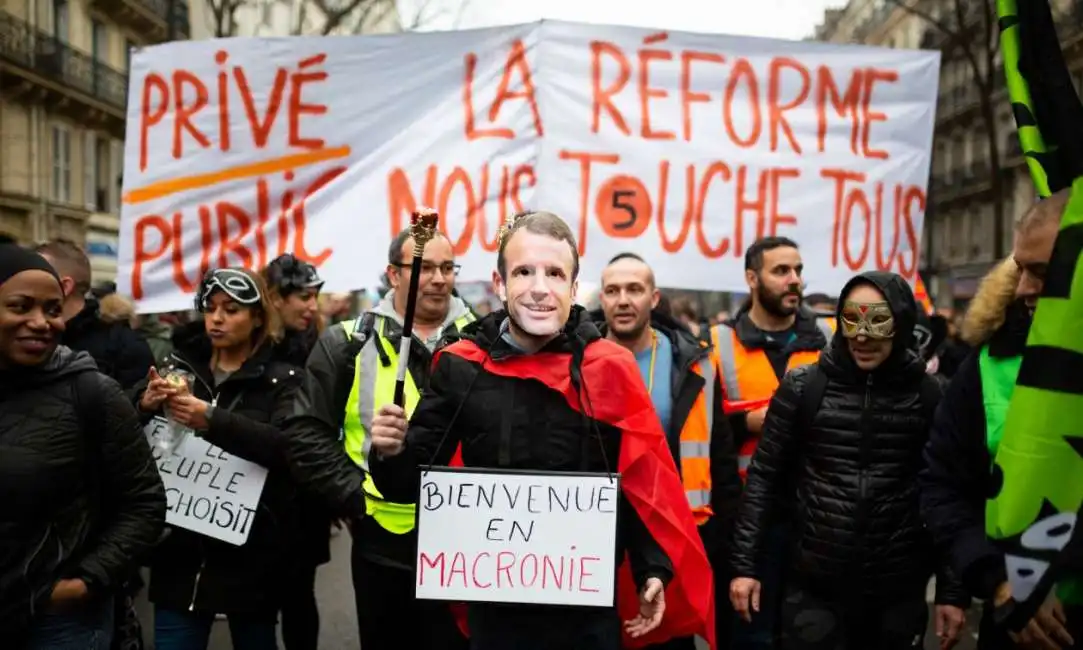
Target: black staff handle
407	333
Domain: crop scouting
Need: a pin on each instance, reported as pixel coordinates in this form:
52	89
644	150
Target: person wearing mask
352	368
119	351
294	287
238	396
771	334
548	354
846	434
83	501
677	370
967	430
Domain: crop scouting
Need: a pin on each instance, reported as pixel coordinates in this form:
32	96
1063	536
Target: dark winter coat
190	571
854	463
82	497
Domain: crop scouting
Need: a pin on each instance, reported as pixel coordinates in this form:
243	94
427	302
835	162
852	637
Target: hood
154	328
904	360
457	308
989	307
63	363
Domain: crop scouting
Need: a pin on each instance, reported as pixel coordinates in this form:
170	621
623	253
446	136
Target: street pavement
338	621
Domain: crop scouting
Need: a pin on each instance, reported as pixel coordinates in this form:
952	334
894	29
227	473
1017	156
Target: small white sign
517	537
207	490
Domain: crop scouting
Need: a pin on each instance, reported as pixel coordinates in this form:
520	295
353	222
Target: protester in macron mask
237	396
536	279
119	351
76	474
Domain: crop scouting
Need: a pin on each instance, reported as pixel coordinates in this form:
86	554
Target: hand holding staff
422	229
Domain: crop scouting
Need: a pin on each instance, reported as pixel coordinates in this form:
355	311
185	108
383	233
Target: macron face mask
871	319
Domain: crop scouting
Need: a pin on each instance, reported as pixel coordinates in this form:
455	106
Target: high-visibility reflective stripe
743	462
727	359
695	449
698	498
367	373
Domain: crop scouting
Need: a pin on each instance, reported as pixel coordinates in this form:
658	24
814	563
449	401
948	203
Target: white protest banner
517	537
207	490
683	148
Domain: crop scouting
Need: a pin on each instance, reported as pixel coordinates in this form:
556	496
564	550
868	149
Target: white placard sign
207	490
681	147
517	537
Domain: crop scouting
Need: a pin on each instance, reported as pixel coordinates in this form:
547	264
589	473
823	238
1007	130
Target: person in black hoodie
83	501
239	394
294	286
849	431
120	352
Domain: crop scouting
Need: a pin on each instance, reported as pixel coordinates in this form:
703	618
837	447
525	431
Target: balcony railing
51	57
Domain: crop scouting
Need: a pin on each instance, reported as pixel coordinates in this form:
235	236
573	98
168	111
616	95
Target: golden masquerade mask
871	319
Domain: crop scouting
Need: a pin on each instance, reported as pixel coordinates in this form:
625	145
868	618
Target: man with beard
970	422
771	334
535	387
352	372
680	378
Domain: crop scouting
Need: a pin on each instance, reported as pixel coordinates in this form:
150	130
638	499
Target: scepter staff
422	229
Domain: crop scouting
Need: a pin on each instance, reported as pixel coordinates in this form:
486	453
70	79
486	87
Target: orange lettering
743	70
646	92
871	77
603	97
298	107
776	110
827	90
517	61
585	161
148	117
182	113
688	96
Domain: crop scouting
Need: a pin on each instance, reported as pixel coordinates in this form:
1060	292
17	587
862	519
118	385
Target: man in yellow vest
351	374
680	378
772	333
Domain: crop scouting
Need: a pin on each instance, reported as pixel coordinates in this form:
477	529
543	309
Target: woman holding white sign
238	394
535	387
81	500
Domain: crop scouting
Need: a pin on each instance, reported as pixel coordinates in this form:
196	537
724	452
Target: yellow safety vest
373	387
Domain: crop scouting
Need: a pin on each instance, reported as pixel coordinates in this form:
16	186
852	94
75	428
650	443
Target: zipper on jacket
195	584
864	446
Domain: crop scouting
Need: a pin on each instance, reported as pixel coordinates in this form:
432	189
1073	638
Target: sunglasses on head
236	284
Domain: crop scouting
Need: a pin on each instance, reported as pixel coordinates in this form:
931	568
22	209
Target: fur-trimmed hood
989	306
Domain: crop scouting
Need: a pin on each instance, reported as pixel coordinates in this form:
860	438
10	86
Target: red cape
649	478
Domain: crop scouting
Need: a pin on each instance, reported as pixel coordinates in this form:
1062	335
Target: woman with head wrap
82	497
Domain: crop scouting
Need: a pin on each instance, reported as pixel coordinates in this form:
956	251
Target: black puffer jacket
81	495
193	571
858	530
119	352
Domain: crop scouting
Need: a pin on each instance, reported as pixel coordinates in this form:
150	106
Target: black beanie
16	259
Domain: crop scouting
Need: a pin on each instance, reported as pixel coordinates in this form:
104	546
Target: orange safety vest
696	445
748	379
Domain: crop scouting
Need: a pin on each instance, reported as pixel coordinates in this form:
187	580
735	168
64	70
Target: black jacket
82	497
120	352
513	423
314	524
193	571
857	525
686	387
958	479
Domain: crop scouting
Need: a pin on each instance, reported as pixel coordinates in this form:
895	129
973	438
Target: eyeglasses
447	269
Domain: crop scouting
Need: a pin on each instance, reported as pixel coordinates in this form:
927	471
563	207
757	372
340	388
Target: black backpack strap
812	395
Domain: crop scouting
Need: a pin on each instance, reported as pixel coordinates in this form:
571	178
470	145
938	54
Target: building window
60	19
61	164
99	41
90	170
